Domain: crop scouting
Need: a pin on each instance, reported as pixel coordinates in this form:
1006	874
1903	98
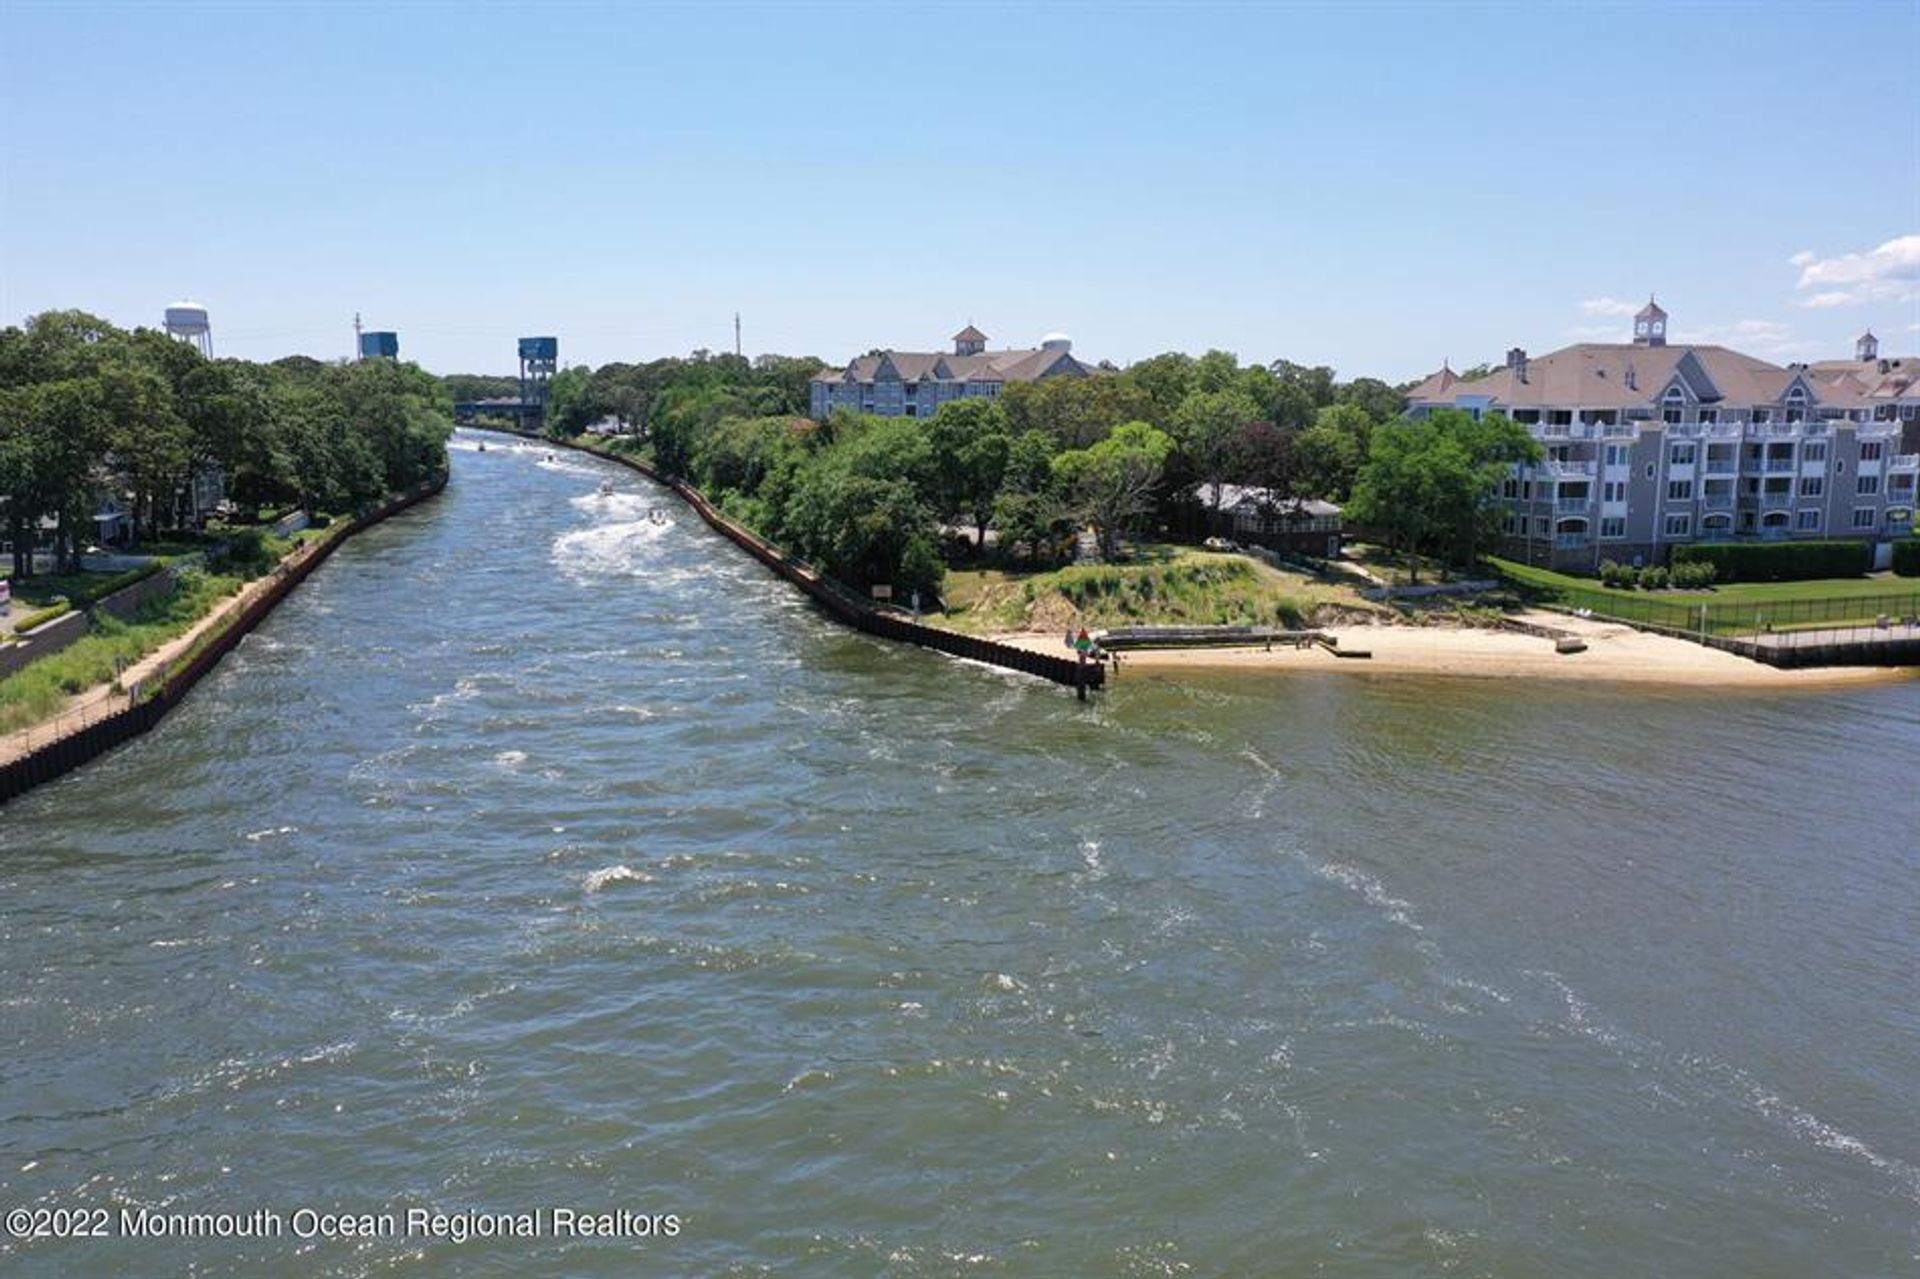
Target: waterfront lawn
1161	584
1824	588
42	688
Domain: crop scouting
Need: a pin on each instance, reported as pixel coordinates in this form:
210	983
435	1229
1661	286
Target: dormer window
1673	405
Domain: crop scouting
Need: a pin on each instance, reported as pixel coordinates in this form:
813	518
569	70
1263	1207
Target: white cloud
1888	273
1608	306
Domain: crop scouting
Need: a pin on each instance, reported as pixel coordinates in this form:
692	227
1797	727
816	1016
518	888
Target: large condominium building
916	383
1649	445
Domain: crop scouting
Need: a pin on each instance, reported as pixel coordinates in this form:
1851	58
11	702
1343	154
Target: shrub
1691	575
1906	557
42	617
1776	561
1653	578
247	550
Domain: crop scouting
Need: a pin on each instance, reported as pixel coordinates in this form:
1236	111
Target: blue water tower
385	346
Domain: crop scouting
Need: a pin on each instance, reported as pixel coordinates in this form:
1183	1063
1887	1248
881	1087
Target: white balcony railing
1575	468
1573	505
1718	501
1777	465
1772	500
1571	541
1904	462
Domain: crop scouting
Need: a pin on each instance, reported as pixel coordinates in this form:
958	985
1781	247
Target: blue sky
1369	186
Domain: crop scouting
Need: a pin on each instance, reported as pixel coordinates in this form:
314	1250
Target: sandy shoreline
1615	654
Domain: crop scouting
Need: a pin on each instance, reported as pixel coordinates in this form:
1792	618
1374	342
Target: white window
1812	485
1681	455
1616	455
1613	526
1814	451
1863	517
1867	485
1808	520
1870	450
1762	416
1679	525
1709	416
1679	490
1613	491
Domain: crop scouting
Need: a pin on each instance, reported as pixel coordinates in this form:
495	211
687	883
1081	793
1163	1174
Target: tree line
88	409
892	500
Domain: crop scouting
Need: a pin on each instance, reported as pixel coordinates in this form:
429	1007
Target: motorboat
606	488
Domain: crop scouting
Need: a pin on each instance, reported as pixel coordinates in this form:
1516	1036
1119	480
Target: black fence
1747	617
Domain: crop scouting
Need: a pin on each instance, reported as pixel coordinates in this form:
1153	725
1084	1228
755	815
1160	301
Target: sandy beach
1614	654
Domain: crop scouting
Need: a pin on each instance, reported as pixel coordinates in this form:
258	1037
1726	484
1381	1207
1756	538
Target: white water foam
609	550
599	879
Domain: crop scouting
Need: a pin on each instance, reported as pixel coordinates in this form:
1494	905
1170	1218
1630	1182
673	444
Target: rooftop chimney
1517	361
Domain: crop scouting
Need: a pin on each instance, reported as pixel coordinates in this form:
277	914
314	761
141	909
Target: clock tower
1650	325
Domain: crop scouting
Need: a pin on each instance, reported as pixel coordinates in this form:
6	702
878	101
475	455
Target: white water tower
188	322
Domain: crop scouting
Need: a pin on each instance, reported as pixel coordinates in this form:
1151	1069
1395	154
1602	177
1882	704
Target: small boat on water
483	446
657	515
606	488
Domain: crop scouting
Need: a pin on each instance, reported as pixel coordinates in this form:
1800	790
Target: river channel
542	852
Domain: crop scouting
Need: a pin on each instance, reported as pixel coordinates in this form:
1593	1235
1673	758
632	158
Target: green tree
971	450
1112	483
1380	402
1332	450
1211	428
1430	485
1074	411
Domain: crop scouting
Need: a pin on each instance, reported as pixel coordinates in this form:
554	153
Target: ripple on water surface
542	853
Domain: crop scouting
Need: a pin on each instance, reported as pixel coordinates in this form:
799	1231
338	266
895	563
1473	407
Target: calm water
536	855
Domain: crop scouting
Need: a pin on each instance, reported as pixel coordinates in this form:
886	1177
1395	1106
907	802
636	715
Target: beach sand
1614	654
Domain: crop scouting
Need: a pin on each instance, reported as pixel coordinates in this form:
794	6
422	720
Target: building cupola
969	341
1867	348
1650	325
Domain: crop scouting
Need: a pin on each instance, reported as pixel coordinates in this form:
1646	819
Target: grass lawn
42	688
1821	588
1162	584
1738	607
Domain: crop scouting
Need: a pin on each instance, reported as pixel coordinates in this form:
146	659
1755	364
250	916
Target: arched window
1673	404
1774	519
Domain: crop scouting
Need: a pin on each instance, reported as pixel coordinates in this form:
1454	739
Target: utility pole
356	335
736	333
